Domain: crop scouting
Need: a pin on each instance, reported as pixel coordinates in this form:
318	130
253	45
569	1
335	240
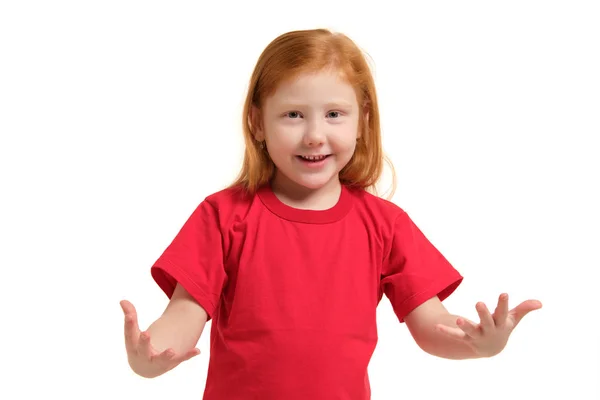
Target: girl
291	261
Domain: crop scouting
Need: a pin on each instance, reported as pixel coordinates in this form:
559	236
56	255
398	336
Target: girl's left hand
489	337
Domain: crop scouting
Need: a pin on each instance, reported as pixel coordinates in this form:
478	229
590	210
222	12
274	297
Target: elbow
425	339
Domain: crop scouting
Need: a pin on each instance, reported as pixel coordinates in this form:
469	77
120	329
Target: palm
143	358
491	334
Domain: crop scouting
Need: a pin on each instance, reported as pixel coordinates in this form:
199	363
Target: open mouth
313	159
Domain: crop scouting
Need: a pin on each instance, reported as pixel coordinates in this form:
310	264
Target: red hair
307	51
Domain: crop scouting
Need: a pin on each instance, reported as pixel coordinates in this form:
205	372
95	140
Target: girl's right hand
143	359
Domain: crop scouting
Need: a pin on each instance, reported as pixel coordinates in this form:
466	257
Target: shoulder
382	210
380	216
229	204
229	197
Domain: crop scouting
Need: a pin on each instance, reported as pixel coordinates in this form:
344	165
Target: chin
314	183
311	180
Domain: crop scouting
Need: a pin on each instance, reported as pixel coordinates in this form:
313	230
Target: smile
314	158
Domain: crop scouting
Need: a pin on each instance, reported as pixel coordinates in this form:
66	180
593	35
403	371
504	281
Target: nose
314	134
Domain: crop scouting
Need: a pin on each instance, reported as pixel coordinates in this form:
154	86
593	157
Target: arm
414	270
169	341
442	334
181	324
422	323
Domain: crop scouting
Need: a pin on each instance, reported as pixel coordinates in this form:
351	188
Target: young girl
291	261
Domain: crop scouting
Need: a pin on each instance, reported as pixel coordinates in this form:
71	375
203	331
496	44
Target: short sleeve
414	270
194	259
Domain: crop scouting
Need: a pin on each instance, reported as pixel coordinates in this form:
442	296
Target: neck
298	196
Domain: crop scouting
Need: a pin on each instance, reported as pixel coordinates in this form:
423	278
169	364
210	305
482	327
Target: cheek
284	137
279	140
345	139
280	146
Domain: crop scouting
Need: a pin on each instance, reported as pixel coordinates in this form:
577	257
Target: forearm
441	345
178	328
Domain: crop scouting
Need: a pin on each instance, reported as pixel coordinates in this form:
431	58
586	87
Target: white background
118	117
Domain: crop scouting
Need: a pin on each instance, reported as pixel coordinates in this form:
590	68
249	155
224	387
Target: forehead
314	88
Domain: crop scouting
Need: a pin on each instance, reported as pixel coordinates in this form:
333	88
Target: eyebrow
330	104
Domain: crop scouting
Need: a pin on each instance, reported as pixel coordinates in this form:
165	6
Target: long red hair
306	51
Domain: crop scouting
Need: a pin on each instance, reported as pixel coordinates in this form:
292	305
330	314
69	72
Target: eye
293	114
333	114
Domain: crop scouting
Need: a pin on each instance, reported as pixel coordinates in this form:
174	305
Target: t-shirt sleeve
414	270
194	259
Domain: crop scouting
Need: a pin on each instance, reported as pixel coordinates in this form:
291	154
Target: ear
255	122
365	121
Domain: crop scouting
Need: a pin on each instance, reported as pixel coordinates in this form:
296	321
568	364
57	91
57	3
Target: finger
189	354
144	348
165	357
523	309
486	319
455	333
132	330
501	312
168	359
470	328
127	307
169	356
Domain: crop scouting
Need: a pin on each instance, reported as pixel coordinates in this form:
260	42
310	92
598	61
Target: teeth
313	158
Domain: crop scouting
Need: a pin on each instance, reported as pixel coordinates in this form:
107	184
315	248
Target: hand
489	337
143	359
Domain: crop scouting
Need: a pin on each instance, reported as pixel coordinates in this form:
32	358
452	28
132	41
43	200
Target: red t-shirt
292	293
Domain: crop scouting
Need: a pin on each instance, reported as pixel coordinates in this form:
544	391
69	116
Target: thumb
523	309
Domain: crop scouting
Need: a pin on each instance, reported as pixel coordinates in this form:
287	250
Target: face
310	125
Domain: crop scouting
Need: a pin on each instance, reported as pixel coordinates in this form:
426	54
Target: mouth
314	159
